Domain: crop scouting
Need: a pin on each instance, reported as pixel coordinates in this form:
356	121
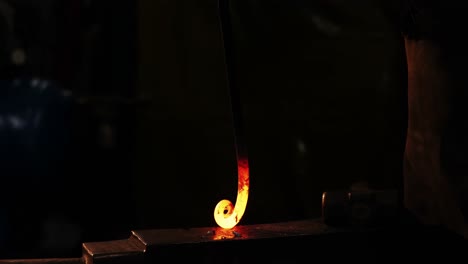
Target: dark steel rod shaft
231	73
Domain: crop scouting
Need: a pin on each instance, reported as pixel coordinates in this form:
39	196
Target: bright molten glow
226	214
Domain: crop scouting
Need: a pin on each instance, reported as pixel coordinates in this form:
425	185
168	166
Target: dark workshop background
136	128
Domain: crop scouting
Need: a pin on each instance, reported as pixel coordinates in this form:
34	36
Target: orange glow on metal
226	214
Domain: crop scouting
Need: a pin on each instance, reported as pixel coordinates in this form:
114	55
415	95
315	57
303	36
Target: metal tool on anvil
362	207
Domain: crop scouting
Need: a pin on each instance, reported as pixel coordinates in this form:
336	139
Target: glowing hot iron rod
226	214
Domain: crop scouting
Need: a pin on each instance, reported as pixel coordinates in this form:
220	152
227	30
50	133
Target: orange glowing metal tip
226	214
